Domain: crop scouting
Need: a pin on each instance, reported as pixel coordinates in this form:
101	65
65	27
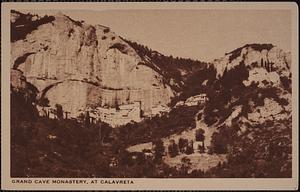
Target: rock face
265	56
18	81
271	110
256	82
80	66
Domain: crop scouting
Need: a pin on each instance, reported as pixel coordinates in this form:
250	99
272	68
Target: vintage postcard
119	96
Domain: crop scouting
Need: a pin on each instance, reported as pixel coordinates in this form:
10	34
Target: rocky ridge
78	65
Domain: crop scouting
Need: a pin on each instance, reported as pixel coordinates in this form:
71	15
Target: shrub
59	111
159	150
286	82
27	25
119	46
173	149
182	144
190	148
185	165
106	30
222	139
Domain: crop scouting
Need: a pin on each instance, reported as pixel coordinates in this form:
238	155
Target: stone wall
116	117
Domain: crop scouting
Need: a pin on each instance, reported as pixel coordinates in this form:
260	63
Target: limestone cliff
253	89
267	57
79	66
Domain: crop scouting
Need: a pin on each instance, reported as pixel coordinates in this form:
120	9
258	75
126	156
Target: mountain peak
59	14
60	17
255	46
254	55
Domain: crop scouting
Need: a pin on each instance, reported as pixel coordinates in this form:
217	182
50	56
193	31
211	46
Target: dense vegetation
24	24
170	64
178	120
175	70
261	150
258	47
43	147
186	76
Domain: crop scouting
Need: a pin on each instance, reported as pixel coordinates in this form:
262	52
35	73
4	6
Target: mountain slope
250	114
247	117
80	66
84	67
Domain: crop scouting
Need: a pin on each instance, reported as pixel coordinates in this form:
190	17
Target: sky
198	34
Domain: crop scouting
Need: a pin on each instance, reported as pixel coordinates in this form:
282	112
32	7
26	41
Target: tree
200	136
44	102
104	131
117	105
182	145
59	111
101	165
185	165
173	149
87	119
159	150
190	148
222	139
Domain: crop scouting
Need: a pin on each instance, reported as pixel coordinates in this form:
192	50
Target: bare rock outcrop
254	89
79	66
264	56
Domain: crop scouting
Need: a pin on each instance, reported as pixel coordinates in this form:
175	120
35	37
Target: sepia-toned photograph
150	93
